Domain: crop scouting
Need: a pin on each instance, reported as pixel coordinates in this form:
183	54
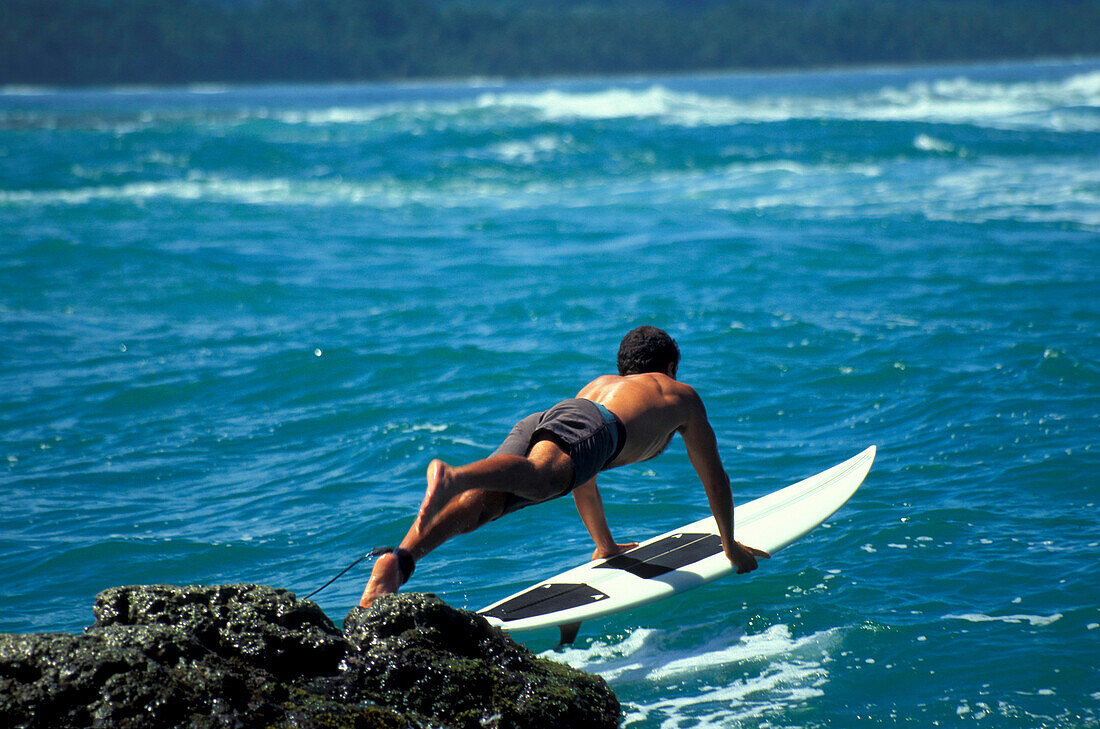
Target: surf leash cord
405	564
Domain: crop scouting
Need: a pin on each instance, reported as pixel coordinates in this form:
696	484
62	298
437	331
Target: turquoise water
237	323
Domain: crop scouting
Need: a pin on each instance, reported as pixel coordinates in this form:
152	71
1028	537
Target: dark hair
647	349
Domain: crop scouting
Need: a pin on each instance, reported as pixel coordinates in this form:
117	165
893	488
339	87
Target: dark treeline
189	41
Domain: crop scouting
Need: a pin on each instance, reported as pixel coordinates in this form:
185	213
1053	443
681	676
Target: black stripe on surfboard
665	555
545	599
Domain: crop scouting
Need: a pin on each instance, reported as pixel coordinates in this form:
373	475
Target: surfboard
680	559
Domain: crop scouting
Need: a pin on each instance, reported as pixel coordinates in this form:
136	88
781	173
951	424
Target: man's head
648	349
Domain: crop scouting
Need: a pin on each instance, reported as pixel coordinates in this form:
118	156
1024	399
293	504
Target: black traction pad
665	555
652	560
545	599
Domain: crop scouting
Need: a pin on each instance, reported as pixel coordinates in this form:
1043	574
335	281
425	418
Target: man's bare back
651	406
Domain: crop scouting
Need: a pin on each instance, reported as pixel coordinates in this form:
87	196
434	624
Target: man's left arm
702	450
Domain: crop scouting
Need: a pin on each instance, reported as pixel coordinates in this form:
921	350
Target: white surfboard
680	559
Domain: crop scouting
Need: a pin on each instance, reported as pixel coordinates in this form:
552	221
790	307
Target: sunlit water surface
235	325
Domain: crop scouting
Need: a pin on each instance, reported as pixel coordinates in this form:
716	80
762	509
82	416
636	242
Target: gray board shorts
590	434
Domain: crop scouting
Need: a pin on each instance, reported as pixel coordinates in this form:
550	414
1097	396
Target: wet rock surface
253	656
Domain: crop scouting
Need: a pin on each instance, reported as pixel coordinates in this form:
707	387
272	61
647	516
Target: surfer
615	420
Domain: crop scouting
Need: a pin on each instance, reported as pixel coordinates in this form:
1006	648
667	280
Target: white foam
781	686
1025	104
1066	104
613	660
336	115
247	191
209	89
775	641
26	90
1035	620
613	103
528	151
926	143
731	678
260	191
1001	189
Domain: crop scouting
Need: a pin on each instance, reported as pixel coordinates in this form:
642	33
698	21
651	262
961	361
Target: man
613	421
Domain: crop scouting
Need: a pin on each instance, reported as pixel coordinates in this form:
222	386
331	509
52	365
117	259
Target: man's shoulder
605	380
672	392
648	386
670	384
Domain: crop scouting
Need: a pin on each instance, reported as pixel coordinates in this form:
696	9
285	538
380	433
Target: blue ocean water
237	323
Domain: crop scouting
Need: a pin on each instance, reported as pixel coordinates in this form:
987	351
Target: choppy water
236	323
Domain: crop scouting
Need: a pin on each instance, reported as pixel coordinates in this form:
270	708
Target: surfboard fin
568	633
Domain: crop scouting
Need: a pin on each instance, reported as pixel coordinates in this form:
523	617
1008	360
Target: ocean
236	323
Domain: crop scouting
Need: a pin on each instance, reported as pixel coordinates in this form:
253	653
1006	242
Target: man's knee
485	506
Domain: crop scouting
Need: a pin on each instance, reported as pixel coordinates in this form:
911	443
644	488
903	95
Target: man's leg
462	515
544	473
475	495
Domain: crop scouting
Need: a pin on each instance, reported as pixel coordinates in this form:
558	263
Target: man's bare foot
440	491
385	578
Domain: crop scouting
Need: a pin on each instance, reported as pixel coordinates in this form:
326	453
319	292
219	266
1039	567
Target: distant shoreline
212	89
74	43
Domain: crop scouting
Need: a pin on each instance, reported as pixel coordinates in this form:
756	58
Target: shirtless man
613	421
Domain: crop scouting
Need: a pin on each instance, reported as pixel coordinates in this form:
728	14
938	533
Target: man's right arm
590	507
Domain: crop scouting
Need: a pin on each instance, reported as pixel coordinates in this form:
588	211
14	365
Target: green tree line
80	42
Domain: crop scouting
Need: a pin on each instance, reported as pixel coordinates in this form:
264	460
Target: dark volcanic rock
415	653
266	628
240	656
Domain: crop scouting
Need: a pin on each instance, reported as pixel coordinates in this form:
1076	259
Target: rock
242	656
266	628
415	653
